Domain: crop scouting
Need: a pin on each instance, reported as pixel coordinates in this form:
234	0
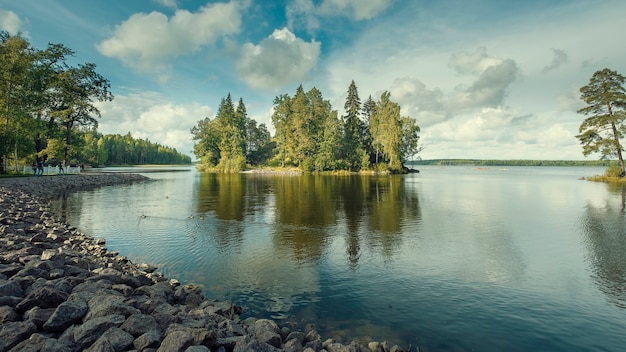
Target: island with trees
310	135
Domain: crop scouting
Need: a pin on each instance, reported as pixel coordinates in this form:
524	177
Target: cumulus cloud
148	42
277	60
491	79
560	57
10	22
425	105
149	115
306	12
472	63
489	89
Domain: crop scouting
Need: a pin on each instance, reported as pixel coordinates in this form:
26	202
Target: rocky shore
61	290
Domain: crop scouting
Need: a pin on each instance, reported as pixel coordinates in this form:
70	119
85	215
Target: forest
48	112
310	135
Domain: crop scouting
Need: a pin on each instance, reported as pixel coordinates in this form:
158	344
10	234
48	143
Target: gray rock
103	305
151	339
197	349
293	346
66	314
11	288
117	339
252	344
8	314
176	341
139	324
38	315
12	333
38	342
44	297
267	331
87	333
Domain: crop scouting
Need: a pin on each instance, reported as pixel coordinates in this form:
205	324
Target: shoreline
62	290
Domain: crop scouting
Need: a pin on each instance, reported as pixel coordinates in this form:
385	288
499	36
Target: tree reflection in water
604	227
305	211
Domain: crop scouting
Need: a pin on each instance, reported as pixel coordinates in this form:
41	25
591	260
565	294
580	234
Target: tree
280	120
353	129
606	102
16	60
76	89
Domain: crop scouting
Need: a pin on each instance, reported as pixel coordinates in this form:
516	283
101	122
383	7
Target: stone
38	342
139	324
87	333
197	349
12	333
11	288
8	314
267	331
176	341
66	314
103	305
116	338
44	297
151	339
38	315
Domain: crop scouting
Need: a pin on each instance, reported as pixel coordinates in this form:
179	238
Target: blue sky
485	79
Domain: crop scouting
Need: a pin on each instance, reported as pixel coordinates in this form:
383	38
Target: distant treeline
479	162
114	149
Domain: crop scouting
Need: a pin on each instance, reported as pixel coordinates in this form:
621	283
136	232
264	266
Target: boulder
87	333
12	333
115	338
44	297
66	314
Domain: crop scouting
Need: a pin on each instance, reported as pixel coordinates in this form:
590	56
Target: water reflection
604	227
305	212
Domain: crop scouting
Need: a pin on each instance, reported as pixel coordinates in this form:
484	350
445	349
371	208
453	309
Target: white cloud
277	60
560	57
489	90
425	105
148	42
149	115
472	63
10	22
305	13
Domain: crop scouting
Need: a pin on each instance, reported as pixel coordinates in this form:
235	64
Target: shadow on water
604	227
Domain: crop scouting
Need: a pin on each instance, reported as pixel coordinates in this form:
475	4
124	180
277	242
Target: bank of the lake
62	290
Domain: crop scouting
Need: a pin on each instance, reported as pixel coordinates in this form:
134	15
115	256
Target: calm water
451	259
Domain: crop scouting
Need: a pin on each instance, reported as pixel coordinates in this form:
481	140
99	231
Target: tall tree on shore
280	120
601	132
16	61
76	90
368	110
353	129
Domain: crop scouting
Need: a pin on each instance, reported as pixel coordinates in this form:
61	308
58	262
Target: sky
484	79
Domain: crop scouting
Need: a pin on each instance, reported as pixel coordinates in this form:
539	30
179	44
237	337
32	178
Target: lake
450	259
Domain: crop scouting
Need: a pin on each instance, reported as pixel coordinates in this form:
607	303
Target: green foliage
231	140
613	171
43	98
309	133
601	132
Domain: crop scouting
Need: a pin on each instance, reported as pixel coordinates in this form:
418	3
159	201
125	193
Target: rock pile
61	290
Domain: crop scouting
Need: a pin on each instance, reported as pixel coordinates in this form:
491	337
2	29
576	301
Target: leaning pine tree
606	103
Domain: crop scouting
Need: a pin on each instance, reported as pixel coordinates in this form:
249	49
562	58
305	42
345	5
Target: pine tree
606	102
